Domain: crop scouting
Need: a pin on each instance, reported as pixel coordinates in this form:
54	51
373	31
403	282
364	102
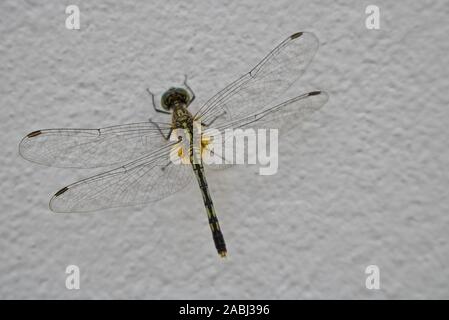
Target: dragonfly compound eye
173	96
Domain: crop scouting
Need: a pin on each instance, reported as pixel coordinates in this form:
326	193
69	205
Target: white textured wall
366	182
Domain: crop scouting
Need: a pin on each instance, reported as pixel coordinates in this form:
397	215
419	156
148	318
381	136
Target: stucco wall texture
363	182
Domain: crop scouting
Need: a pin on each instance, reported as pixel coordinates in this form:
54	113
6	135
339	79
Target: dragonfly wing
91	148
152	177
264	83
284	116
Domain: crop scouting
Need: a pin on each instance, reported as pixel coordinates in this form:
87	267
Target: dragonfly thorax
173	97
182	118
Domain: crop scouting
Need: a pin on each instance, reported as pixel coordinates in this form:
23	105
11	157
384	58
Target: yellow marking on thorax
205	140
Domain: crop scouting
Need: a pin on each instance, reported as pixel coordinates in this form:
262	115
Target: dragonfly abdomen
198	169
214	225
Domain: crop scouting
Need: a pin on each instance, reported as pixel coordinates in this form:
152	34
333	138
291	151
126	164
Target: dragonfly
140	151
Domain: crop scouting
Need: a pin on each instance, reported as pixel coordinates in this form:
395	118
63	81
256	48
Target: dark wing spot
34	133
61	191
314	93
296	35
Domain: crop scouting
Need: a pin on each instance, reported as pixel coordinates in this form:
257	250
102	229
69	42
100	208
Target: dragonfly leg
166	137
192	94
154	103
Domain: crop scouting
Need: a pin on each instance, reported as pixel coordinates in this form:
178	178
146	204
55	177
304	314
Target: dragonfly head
174	96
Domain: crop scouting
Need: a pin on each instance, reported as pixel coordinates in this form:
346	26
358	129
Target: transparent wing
152	177
91	148
284	116
264	83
